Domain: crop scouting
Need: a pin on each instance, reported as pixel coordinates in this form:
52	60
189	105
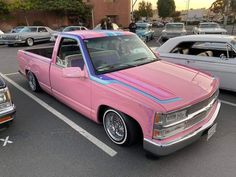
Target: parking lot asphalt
41	144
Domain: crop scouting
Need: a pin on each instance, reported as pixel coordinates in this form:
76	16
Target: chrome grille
9	37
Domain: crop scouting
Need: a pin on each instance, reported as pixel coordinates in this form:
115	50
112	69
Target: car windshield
142	26
174	26
74	28
16	30
28	29
209	26
114	53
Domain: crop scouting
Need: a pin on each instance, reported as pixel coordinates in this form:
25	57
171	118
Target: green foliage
3	8
219	6
145	9
166	8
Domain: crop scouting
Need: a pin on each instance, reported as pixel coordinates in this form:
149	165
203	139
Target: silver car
173	30
27	35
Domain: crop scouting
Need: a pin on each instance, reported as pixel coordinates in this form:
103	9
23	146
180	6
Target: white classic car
209	28
211	53
173	30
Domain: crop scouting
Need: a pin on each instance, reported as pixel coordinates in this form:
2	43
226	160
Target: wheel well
102	110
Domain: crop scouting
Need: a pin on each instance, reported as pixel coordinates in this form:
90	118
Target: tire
121	129
33	82
29	42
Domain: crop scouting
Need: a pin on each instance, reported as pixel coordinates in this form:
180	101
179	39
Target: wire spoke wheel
115	126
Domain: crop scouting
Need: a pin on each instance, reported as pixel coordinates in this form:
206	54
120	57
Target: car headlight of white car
5	99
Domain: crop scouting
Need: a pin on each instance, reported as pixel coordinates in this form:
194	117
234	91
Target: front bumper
6	42
161	149
7	114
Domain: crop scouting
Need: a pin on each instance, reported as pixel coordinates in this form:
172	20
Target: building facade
117	10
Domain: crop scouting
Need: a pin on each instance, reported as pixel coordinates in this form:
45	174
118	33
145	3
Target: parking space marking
10	74
65	119
228	103
6	141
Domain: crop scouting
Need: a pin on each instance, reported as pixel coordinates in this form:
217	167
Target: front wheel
29	42
33	82
121	129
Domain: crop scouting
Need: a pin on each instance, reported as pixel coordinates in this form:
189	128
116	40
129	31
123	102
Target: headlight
17	37
166	125
5	98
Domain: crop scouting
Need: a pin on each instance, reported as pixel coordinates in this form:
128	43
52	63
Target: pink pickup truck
113	78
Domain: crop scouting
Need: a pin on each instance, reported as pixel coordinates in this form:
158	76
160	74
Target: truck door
76	92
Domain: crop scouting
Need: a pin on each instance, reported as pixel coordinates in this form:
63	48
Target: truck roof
88	34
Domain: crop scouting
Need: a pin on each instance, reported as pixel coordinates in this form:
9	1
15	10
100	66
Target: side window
42	30
32	29
69	54
182	48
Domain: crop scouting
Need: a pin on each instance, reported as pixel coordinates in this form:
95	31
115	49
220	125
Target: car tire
29	42
120	128
33	82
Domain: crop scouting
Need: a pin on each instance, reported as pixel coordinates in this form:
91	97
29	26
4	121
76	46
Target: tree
219	6
166	8
4	10
145	9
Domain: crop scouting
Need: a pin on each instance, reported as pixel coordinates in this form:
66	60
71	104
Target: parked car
114	26
27	35
212	53
145	31
157	24
123	85
67	29
209	28
7	108
172	30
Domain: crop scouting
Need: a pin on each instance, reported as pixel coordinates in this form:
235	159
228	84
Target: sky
182	4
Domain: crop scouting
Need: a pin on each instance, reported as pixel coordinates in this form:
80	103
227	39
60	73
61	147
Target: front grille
202	104
202	115
9	37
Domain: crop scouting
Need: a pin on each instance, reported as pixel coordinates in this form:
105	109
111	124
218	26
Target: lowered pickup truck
113	78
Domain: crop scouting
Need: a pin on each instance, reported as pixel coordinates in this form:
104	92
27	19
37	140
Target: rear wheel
30	42
120	128
33	82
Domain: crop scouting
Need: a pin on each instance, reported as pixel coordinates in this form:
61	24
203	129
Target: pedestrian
132	26
103	24
109	24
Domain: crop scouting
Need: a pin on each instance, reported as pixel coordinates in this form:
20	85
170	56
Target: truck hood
165	82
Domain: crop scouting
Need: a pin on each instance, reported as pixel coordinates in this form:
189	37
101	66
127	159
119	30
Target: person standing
109	24
132	26
103	24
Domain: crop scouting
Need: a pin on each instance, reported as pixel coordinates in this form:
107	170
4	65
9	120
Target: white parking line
228	103
10	74
65	119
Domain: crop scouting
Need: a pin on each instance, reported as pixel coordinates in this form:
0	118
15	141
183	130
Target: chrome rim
115	126
32	81
30	42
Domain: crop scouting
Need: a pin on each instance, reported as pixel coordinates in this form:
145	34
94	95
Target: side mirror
73	72
223	57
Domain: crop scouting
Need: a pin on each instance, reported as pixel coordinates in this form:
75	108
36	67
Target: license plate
211	131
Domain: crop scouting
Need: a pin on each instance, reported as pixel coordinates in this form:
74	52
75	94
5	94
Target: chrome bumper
170	147
6	42
7	114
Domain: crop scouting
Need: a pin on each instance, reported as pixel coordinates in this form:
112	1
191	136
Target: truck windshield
114	53
209	26
174	26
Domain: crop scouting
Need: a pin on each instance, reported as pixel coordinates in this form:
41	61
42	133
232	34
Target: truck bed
42	51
